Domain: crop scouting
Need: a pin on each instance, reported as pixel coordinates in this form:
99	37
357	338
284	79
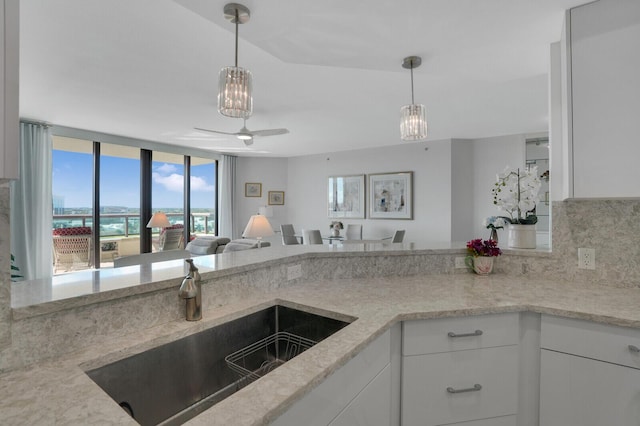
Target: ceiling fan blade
214	131
269	132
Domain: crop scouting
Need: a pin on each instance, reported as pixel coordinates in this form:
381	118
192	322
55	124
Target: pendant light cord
237	19
412	102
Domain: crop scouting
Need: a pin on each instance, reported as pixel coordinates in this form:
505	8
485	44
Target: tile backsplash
611	227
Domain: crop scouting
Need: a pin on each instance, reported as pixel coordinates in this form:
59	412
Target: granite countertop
59	392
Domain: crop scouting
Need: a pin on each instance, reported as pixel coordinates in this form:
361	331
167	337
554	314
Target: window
119	197
119	202
203	195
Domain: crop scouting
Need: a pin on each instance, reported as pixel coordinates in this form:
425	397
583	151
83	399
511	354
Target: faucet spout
191	291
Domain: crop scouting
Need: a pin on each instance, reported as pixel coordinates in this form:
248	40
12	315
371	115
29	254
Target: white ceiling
329	71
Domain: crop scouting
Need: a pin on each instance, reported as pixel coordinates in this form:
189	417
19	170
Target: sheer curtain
32	204
226	197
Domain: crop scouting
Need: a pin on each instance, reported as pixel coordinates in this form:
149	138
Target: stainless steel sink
175	382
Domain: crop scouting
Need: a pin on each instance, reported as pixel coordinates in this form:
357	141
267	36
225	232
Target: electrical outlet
586	258
459	263
294	272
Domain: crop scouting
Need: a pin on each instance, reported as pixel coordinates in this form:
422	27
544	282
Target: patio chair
71	248
171	238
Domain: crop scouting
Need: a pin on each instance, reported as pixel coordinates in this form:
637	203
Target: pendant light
413	118
235	83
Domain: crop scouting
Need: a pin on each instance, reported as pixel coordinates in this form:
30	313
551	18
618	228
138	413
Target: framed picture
391	195
345	195
252	189
276	198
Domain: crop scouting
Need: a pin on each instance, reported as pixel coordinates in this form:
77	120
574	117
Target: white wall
452	186
272	173
430	162
462	190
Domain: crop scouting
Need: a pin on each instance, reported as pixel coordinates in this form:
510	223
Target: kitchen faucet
191	291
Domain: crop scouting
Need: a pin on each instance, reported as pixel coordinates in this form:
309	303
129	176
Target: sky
120	182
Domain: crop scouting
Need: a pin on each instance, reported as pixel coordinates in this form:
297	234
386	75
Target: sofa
243	244
206	244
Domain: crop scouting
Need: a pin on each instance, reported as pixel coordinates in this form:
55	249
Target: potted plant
516	193
481	254
335	227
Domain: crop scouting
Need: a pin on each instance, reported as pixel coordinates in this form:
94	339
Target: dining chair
398	236
288	235
311	236
354	232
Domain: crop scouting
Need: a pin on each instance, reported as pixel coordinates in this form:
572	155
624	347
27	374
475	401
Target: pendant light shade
235	83
234	92
413	117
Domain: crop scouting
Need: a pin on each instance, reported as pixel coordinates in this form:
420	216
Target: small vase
335	232
481	265
494	235
521	236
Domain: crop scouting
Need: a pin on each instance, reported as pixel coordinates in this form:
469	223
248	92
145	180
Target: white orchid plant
516	192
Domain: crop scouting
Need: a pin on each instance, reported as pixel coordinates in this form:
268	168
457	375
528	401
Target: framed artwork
252	189
391	195
345	195
276	198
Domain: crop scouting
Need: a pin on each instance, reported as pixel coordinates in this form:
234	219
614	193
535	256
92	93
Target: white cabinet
372	406
605	98
461	370
589	374
364	383
9	113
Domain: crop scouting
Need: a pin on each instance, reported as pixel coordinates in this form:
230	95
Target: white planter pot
521	236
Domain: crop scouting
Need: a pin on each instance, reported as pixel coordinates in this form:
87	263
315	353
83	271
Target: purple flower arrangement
487	248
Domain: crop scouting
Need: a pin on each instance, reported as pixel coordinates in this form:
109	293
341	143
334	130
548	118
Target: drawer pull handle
475	388
634	348
475	333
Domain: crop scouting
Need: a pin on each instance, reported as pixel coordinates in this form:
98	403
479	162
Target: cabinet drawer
598	341
432	336
426	400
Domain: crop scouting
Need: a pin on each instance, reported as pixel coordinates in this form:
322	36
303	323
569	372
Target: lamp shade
158	220
413	122
234	92
258	227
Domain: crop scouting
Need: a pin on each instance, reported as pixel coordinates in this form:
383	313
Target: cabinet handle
634	348
475	388
475	333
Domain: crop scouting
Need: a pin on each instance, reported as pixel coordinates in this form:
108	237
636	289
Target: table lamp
158	220
257	228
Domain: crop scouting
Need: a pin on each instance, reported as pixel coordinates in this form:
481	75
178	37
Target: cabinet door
576	391
372	406
320	406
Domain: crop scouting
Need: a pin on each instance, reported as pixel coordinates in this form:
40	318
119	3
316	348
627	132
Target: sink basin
174	382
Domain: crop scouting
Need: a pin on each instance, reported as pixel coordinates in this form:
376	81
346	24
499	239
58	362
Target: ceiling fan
247	135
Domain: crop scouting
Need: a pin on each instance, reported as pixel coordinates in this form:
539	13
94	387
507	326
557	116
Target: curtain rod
36	122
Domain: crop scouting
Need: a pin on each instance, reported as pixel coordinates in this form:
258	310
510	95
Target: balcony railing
126	224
